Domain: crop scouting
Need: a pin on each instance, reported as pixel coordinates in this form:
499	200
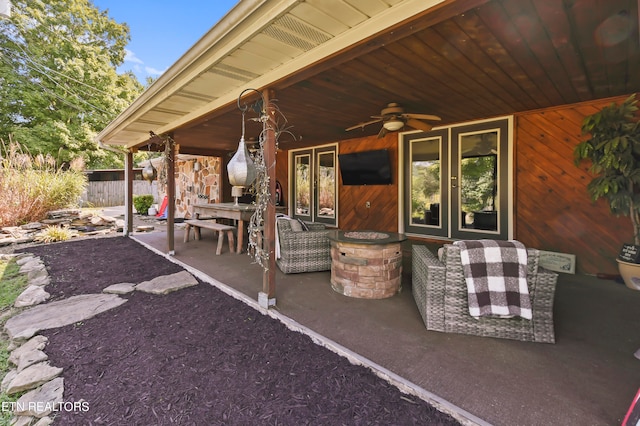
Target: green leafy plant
614	152
142	203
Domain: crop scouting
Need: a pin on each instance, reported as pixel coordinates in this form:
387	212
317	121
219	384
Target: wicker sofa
303	250
440	292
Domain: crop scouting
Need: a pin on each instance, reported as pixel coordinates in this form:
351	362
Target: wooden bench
221	229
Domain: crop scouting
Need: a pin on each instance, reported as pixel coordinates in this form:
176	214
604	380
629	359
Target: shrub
142	203
31	186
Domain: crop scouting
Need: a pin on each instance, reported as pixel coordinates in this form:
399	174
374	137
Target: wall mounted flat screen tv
365	168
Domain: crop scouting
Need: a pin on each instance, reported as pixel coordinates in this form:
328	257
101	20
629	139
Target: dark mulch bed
89	265
200	357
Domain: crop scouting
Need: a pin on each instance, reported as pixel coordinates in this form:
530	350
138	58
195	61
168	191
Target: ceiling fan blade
423	116
417	124
382	132
361	125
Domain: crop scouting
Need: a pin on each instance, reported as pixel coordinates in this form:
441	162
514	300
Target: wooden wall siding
352	213
552	207
383	214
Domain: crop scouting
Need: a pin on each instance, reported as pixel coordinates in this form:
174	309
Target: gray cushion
295	225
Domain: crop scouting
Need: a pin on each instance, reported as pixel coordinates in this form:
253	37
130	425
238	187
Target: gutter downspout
128	181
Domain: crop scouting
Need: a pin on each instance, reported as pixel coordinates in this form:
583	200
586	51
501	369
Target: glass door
456	181
428	209
314	187
325	190
479	180
301	187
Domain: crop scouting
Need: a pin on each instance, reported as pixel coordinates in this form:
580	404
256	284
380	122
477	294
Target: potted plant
614	151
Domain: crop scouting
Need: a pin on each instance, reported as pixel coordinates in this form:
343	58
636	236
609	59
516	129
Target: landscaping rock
32	265
120	288
41	402
37	273
8	378
32	295
86	223
32	377
10	256
45	421
22	421
30	358
40	281
60	313
6	240
33	344
32	226
168	283
26	259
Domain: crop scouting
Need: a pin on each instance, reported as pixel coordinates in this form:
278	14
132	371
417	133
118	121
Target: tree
478	185
58	81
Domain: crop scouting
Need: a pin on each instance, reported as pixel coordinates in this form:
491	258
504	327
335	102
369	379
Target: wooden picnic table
240	212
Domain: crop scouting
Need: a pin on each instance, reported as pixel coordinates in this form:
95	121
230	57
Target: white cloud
138	65
129	56
154	71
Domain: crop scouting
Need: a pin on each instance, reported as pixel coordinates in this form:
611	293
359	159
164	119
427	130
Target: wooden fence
111	193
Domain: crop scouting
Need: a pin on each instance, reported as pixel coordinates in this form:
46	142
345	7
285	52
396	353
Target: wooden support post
171	193
269	277
128	194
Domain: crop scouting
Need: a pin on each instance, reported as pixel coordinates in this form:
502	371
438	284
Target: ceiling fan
394	118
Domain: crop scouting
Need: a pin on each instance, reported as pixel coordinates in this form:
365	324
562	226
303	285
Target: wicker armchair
440	292
303	251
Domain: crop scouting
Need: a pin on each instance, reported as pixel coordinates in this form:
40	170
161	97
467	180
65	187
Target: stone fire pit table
366	264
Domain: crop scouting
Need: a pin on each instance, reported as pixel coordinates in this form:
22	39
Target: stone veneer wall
192	186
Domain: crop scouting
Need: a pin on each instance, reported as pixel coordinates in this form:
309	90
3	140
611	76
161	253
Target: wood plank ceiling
462	60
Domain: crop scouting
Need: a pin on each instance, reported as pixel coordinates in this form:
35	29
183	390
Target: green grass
12	283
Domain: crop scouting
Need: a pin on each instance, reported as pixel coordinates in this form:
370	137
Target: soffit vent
296	33
233	72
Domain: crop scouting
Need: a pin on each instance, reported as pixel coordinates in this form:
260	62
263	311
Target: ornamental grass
31	186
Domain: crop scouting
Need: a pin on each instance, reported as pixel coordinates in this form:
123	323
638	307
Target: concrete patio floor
589	377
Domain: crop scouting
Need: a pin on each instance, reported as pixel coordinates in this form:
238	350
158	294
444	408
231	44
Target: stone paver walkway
32	370
60	313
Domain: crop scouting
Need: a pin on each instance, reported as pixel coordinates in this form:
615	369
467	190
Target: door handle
454	181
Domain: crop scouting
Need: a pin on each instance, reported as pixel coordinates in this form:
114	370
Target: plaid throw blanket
496	276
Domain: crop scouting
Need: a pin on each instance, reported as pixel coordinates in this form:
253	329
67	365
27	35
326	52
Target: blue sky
162	30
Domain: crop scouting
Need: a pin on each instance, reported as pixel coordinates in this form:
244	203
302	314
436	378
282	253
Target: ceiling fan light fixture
393	124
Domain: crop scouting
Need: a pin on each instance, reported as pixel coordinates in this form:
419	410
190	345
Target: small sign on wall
630	253
558	262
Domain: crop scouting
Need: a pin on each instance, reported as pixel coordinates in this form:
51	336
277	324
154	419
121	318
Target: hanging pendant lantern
149	173
241	170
